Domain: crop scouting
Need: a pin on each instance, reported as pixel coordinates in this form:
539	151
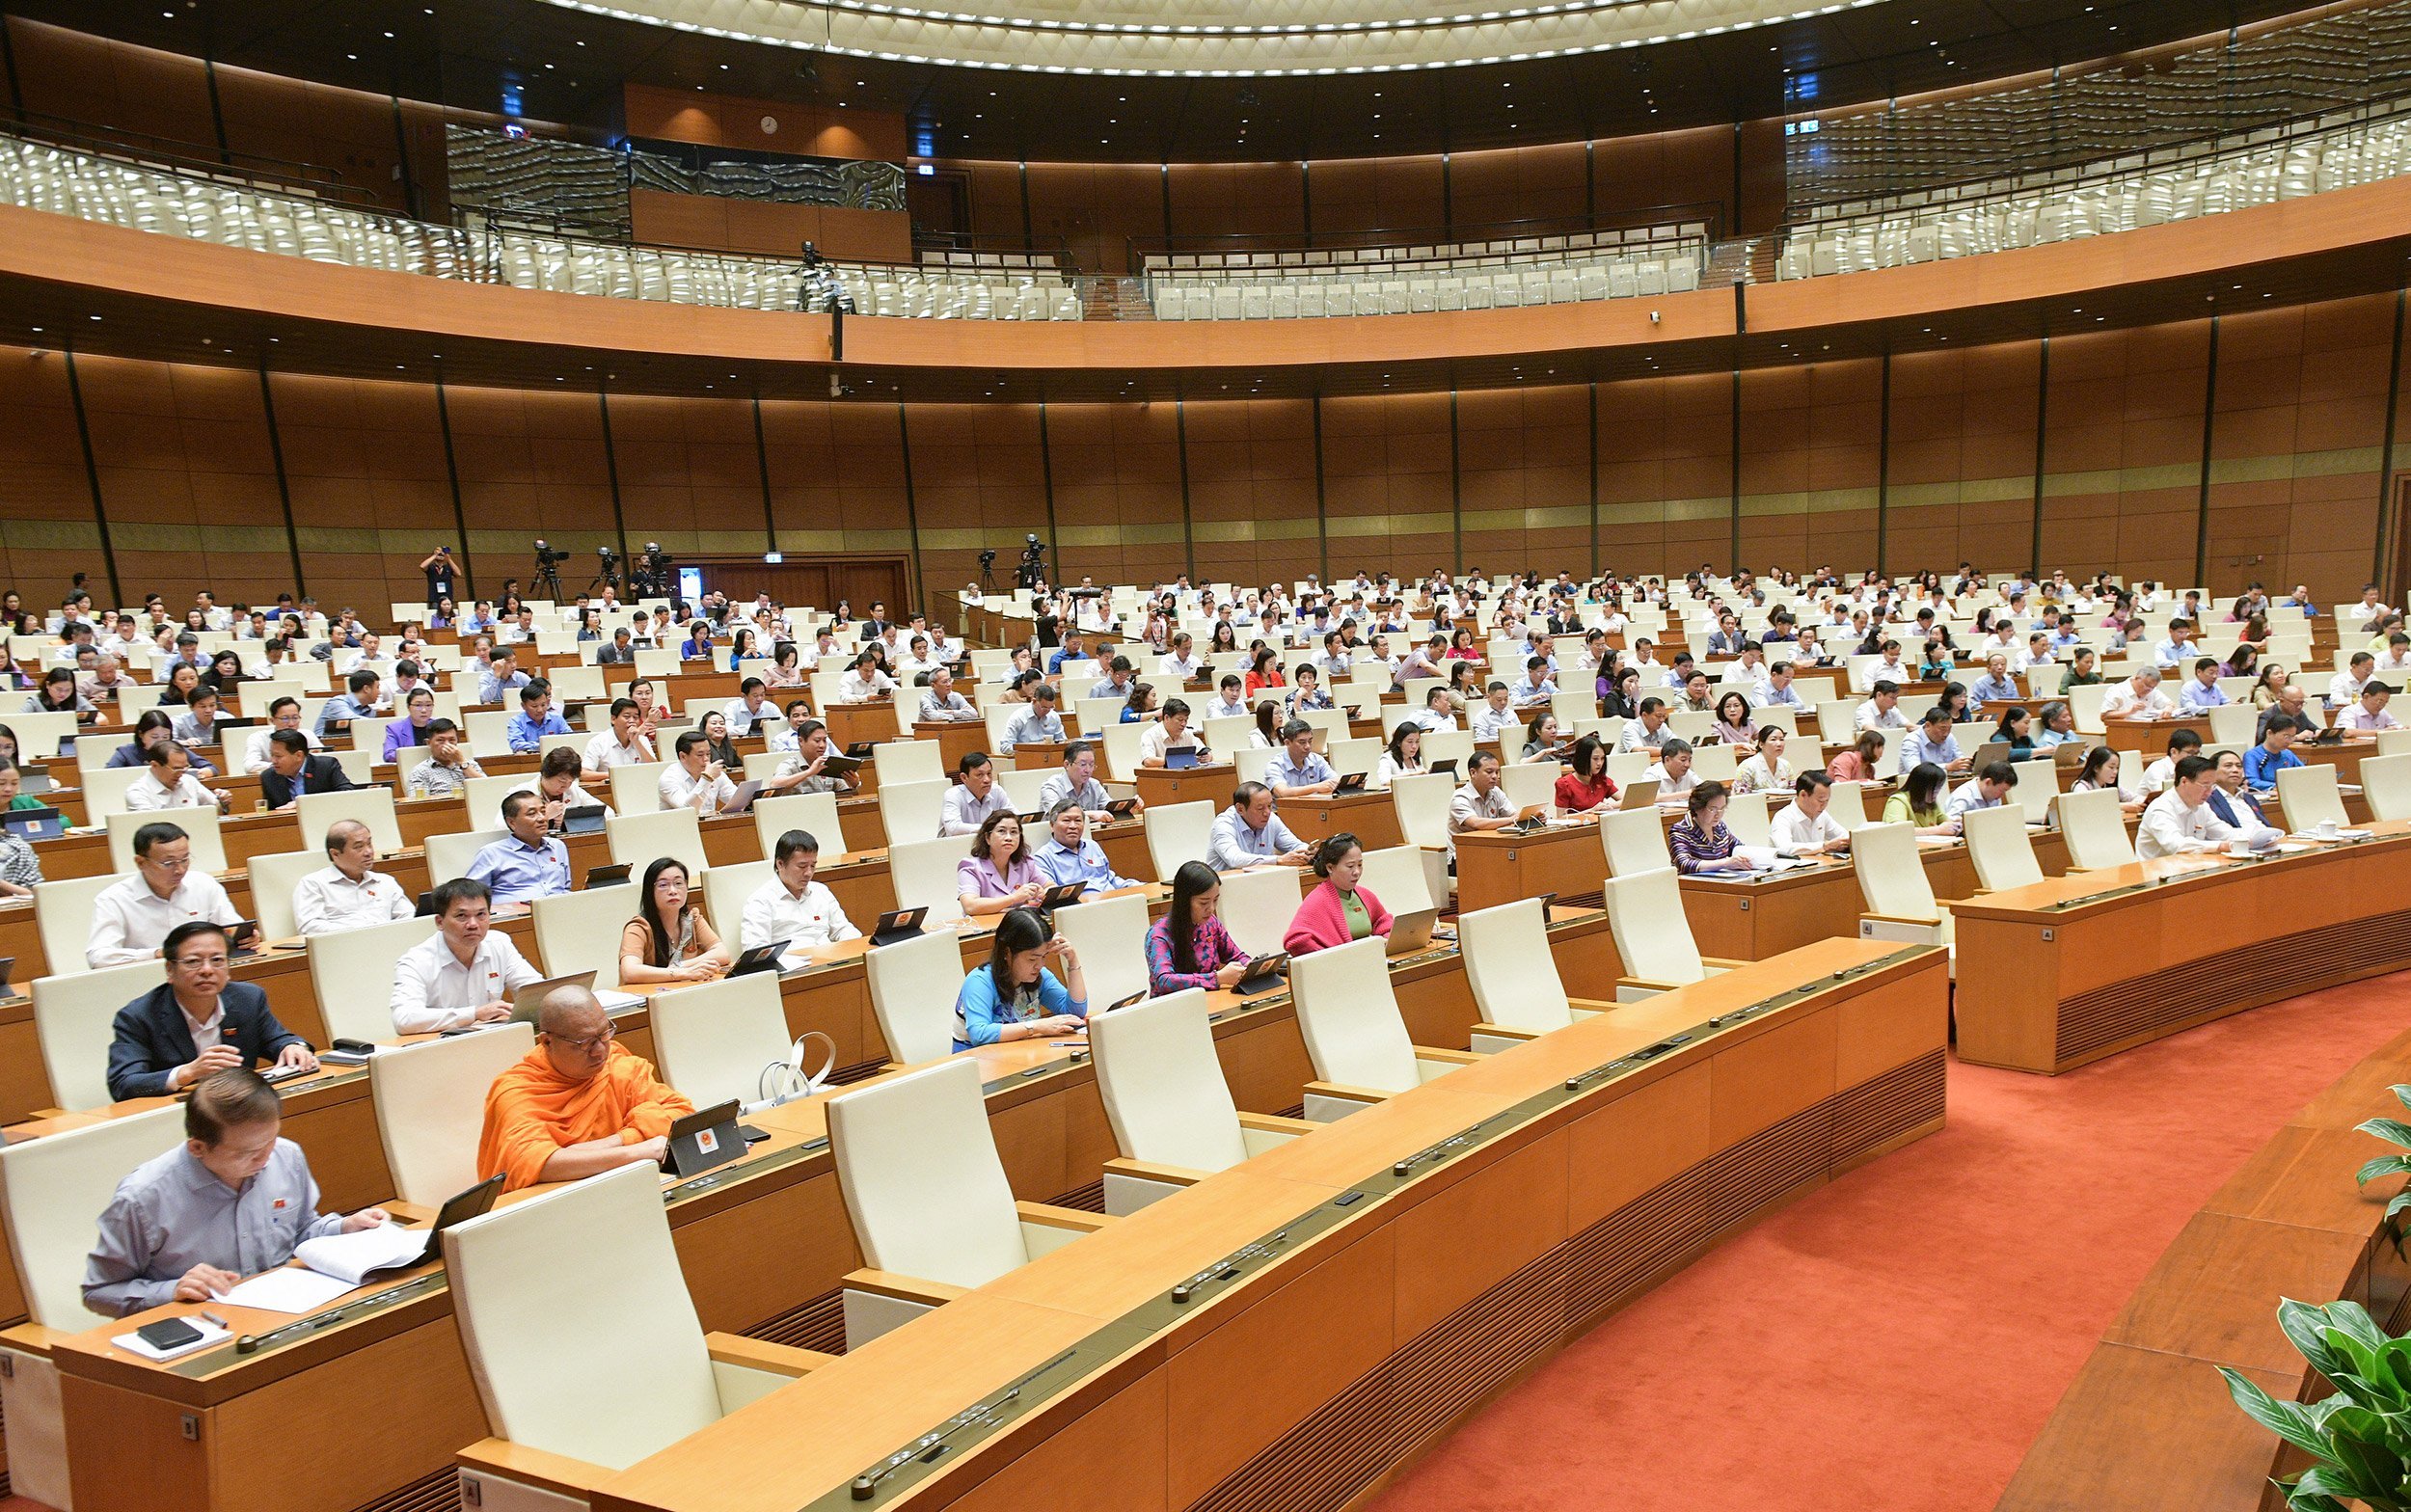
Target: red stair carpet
1896	1339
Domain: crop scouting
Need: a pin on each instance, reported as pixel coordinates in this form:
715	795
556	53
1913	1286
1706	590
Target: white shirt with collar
327	902
130	921
256	749
147	792
814	918
1793	831
679	786
604	751
2171	826
2126	698
435	989
961	812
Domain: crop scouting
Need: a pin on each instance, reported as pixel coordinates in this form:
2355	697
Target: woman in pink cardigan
1339	910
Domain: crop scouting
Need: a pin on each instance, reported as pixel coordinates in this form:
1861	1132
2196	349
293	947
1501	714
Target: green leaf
2393	1130
2353	1320
2402	1094
2325	1480
2383	1166
2303	1324
2300	1498
2360	1453
2285	1420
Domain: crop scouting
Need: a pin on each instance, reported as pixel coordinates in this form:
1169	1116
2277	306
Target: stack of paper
331	1266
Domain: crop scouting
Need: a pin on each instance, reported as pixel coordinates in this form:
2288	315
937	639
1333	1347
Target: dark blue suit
153	1038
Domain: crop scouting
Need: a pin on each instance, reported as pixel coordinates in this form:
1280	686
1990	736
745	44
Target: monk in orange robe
579	1105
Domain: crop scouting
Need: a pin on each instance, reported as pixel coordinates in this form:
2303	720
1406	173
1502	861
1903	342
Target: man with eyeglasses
197	1023
577	1105
132	917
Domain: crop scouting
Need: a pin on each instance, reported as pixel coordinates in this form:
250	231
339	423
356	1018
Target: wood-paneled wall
2247	448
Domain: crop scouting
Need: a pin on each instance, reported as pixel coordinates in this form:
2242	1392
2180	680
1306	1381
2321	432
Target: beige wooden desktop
2082	966
1385	1304
396	1373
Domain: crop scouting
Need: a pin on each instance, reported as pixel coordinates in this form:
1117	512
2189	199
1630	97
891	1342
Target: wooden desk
2148	738
1352	1309
2147	1422
955	738
849	724
1161	786
392	1377
1371	817
2082	966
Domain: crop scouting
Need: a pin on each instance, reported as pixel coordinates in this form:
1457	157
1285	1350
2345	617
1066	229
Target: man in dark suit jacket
293	771
620	652
198	1024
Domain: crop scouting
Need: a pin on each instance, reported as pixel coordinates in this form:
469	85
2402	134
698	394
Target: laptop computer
1349	782
608	876
1409	932
1531	817
35	823
527	1000
1180	758
759	958
1987	753
1263	973
584	819
1642	794
704	1139
899	925
30	780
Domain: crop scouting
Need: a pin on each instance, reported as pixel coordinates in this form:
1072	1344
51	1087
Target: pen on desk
209	1316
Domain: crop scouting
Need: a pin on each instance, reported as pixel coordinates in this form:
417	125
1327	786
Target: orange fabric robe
531	1111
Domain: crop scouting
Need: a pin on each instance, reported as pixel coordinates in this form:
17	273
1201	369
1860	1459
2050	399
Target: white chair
273	882
1892	882
636	786
1110	935
1653	938
63	918
921	873
352	972
1746	816
1407	877
1171	1111
715	1041
1355	1036
200	825
430	1106
1527	784
2095	826
104	794
913	987
1514	976
932	1210
725	889
2386	782
1635	841
910	810
553	1384
485	796
1179	832
1422	802
74	1015
2310	797
52	1193
1256	907
638	840
449	855
1998	844
813	813
907	761
579	931
318	812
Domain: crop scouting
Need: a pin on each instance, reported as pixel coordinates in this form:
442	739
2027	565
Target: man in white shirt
1933	742
1481	804
1229	702
864	683
1777	689
2181	743
943	705
348	894
133	915
1991	789
167	782
624	744
2344	688
1181	661
1806	825
751	710
2138	697
465	973
694	780
1076	781
1495	715
791	905
1882	711
1250	834
2177	649
978	794
2179	822
1296	771
2370	712
1439	714
1040	726
1167	734
1646	731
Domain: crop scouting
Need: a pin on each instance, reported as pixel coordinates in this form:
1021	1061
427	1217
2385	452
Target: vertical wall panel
1117	476
1632	174
688	475
837	478
1523	455
2122	452
1239	199
1665	472
1518	185
531	464
1385	470
1808	466
1962	480
80	77
977	480
349	133
187	478
2296	455
1096	209
364	464
1377	193
1252	488
47	529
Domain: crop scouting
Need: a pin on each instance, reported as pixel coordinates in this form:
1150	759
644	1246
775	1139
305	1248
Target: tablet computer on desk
760	958
35	823
899	925
703	1138
1262	974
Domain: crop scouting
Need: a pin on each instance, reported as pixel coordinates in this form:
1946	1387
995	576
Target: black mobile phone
167	1333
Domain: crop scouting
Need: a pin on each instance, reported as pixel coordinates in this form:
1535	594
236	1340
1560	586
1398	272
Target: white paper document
210	1334
352	1257
288	1288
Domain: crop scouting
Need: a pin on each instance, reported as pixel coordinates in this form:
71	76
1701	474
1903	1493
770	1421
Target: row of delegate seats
143	197
1389	261
1308	297
1999	217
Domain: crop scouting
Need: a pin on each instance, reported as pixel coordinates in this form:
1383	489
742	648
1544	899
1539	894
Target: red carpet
1896	1339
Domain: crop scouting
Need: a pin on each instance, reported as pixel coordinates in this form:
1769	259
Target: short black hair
289	741
461	888
794	843
187	931
159	833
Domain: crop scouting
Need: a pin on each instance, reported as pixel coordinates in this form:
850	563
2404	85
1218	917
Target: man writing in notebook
577	1105
237	1198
